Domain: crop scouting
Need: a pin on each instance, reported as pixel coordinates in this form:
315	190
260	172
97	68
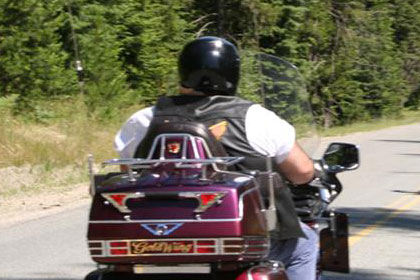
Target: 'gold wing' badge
218	129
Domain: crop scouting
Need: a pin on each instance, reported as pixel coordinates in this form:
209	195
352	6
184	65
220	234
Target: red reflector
206	243
118	244
119	252
207	198
205	250
118	198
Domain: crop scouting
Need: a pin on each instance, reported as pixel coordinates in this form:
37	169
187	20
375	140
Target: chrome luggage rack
140	163
185	142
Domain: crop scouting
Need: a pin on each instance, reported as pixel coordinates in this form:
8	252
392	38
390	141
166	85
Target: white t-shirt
267	133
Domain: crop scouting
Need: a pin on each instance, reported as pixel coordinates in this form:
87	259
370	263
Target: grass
407	117
52	155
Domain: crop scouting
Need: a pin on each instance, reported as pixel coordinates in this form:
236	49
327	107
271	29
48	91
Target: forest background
71	71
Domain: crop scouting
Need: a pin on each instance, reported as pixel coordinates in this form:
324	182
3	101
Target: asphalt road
382	197
383	200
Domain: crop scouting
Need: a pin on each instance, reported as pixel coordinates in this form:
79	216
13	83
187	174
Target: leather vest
226	115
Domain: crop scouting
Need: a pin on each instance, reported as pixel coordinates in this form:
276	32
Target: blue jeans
299	255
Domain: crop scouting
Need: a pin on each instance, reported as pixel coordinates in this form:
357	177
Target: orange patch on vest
218	129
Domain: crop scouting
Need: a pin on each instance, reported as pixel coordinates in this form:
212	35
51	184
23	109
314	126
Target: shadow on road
405	172
361	218
398	141
411	155
407	192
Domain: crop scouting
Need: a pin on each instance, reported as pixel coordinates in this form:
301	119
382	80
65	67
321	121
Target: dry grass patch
50	158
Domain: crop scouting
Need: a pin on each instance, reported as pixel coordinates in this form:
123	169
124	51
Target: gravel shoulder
24	207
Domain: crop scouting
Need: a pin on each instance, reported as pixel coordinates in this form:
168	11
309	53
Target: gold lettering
139	248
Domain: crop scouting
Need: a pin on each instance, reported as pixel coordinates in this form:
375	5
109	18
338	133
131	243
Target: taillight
118	252
117	244
206	246
118	248
206	250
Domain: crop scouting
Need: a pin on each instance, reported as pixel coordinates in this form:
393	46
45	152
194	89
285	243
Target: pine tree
349	78
33	62
154	33
105	85
407	37
378	61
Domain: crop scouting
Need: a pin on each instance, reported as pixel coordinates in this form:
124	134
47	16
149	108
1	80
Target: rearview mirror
341	157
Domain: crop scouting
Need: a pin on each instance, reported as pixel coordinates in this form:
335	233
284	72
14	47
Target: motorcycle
186	211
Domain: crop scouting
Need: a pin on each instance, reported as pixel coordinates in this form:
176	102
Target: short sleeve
268	134
132	132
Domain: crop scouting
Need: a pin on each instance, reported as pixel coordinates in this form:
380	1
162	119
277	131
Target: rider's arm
272	136
297	166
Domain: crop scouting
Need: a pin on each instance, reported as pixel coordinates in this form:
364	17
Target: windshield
279	87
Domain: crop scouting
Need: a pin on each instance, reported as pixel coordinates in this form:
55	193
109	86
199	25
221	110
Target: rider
209	75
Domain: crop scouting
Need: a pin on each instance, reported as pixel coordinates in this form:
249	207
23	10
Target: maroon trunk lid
158	220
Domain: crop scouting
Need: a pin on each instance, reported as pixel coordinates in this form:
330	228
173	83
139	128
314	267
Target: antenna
78	62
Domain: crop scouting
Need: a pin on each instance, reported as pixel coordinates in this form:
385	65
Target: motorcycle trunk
176	212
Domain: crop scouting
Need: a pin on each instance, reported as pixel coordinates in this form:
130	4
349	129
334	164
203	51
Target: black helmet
210	65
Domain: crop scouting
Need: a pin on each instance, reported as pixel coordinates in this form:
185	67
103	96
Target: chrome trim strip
184	148
256	246
159	255
241	201
219	247
107	247
164	221
183	162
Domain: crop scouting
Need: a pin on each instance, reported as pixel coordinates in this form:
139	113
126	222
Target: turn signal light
117	252
205	250
118	244
206	246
